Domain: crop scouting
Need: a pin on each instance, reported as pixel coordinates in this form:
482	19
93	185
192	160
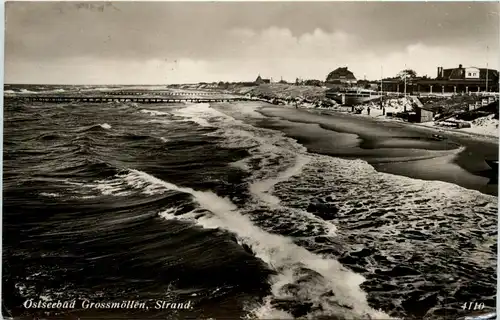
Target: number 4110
473	306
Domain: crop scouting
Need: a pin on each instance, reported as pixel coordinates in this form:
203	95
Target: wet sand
391	147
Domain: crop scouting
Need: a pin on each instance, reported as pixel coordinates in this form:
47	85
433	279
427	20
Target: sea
203	203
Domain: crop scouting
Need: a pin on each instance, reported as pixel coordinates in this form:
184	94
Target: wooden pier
138	99
161	93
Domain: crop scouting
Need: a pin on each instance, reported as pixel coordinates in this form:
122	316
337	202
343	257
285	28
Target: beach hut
421	115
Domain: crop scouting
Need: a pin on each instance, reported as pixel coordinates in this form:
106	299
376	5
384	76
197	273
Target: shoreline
326	110
472	135
434	129
394	147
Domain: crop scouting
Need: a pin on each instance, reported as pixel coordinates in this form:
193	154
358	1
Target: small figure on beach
368	109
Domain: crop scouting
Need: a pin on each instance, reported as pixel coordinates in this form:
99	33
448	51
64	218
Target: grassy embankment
276	93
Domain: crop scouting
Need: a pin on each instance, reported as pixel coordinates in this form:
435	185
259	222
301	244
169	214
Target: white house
472	73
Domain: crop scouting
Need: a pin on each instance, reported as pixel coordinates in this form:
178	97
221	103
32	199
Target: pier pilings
130	98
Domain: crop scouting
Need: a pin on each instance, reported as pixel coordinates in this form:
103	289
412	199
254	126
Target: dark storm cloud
52	33
47	30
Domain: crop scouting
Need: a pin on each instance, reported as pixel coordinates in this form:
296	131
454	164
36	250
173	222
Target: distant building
467	73
463	80
259	80
453	80
421	115
370	85
340	76
397	85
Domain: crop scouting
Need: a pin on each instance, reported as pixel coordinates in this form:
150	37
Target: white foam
279	159
263	188
116	186
50	194
155	112
44	298
198	113
26	91
168	214
247	109
107	188
281	254
267	311
160	121
105	126
124	185
137	180
284	167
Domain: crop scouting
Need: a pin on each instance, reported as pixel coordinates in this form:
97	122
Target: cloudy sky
173	42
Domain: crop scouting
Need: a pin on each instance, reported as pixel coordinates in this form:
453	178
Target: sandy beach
391	146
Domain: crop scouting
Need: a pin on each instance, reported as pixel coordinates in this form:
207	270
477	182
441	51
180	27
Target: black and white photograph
254	160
